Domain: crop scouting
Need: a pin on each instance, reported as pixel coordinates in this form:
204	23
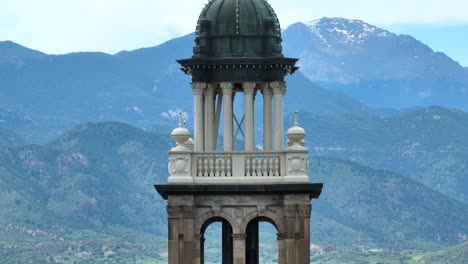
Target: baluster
218	166
270	166
205	167
221	162
212	166
264	166
276	159
228	166
199	166
247	166
258	166
253	163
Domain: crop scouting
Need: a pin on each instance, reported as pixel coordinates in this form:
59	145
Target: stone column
279	89
209	117
239	248
198	114
249	89
228	116
267	118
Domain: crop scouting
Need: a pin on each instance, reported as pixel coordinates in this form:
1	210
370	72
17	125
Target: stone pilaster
239	248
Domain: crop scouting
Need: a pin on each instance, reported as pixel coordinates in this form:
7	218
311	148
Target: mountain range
57	92
375	66
372	66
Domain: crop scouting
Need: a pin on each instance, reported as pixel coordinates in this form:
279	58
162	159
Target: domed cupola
238	28
237	41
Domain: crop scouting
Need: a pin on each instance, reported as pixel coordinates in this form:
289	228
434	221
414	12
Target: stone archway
252	239
227	239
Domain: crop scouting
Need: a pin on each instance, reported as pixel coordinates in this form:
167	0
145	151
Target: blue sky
62	26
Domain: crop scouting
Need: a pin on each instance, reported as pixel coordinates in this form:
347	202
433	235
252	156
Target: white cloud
174	114
60	26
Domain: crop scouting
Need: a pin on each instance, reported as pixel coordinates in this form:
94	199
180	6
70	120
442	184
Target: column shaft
279	89
267	118
228	116
209	118
198	115
249	89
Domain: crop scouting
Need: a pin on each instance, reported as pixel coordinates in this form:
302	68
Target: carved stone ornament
239	212
297	165
179	165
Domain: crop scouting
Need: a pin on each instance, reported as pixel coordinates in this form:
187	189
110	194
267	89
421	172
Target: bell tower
238	55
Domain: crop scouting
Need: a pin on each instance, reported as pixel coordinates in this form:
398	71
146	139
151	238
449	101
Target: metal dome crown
238	28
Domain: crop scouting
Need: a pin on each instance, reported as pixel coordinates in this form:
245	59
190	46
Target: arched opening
261	245
220	248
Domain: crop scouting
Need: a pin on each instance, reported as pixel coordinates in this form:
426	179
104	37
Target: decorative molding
173	211
304	211
290	210
188	212
239	237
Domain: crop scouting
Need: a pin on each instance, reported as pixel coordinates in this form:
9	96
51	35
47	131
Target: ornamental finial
296	122
181	120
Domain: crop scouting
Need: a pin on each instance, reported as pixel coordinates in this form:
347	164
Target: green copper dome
236	29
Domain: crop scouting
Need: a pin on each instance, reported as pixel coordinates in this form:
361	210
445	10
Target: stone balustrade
247	167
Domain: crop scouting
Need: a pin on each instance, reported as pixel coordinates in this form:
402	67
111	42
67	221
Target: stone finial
180	135
296	135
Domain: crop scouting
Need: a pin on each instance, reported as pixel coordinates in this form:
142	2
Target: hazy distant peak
9	49
347	31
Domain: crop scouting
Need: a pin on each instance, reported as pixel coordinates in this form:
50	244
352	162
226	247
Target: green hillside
88	197
455	254
429	145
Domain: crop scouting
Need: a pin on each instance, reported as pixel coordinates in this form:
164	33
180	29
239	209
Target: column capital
227	87
198	88
249	87
266	89
278	87
210	89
